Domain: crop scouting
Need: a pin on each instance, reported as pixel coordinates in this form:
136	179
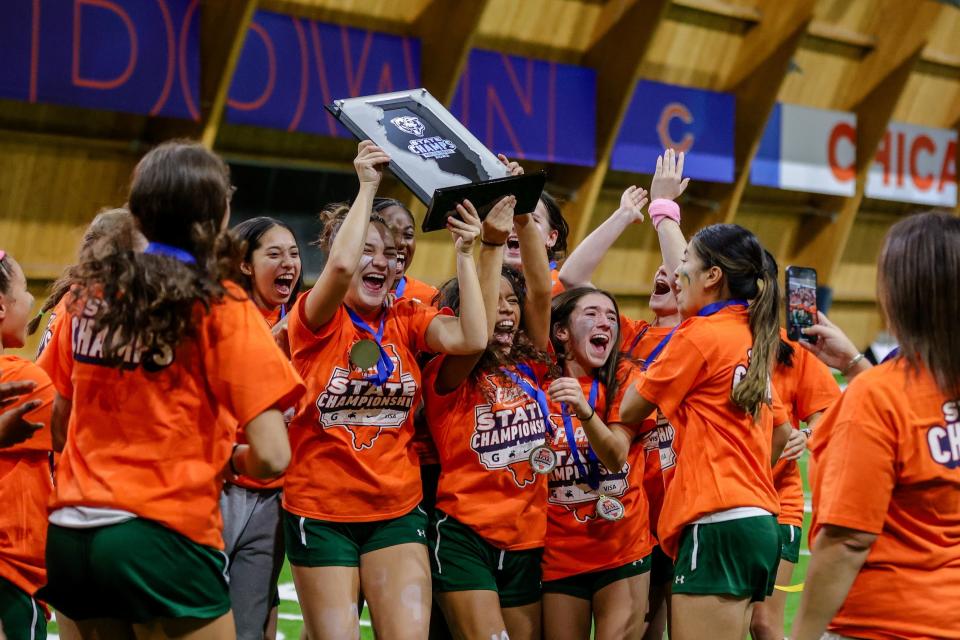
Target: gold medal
364	354
543	459
610	508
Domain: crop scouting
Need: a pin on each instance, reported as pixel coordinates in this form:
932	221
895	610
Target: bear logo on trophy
409	124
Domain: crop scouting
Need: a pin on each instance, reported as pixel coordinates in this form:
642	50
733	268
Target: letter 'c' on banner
841	130
675	110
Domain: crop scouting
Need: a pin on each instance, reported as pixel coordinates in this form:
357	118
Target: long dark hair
557	223
492	359
739	255
178	197
785	350
918	280
251	232
560	311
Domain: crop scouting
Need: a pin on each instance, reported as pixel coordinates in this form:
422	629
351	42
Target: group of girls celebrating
510	447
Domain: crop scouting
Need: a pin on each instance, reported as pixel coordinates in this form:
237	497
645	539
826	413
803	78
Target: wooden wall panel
49	191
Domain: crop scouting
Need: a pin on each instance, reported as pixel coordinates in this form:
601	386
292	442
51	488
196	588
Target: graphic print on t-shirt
506	431
350	401
660	439
944	440
568	488
88	345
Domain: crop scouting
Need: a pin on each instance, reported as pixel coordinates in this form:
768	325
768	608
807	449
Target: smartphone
801	302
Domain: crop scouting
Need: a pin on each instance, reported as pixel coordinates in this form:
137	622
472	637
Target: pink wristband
662	209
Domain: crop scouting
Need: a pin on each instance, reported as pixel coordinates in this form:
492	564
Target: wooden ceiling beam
617	55
903	32
447	29
762	64
224	28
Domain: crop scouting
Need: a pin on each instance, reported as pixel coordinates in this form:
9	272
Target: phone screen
801	301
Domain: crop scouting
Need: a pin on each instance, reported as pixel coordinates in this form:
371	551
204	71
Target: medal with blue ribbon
543	459
608	508
365	353
401	287
708	310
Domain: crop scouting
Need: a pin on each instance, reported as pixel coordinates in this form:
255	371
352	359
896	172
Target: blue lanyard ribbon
384	363
401	287
535	393
553	265
593	476
890	356
708	310
636	341
283	311
171	252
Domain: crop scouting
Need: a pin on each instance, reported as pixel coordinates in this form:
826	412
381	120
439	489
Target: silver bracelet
850	365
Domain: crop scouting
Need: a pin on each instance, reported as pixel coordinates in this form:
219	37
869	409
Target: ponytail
753	390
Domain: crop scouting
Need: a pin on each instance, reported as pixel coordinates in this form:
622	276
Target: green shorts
661	567
790	543
461	560
136	571
586	585
321	543
21	616
736	557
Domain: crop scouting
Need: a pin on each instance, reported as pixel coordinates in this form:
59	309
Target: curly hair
492	360
179	197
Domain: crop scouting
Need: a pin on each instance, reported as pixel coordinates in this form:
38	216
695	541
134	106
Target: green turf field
291	621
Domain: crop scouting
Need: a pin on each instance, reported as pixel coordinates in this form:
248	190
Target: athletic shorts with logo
734	557
586	585
322	543
790	543
461	560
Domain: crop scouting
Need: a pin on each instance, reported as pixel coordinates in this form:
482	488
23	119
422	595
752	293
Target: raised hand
465	229
369	161
513	167
633	200
568	390
14	428
668	181
499	222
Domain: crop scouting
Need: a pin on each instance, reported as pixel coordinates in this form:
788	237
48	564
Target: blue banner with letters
290	68
136	56
695	121
529	109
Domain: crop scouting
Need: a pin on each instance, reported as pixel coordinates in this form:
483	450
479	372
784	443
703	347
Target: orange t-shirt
660	438
272	317
26	484
725	458
888	462
419	291
154	436
805	388
484	434
58	311
579	540
557	286
352	459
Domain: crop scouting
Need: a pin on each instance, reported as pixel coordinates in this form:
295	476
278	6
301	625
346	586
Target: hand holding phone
801	302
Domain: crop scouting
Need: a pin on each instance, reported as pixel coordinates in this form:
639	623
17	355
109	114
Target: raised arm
467	333
347	247
667	185
496	229
578	268
536	272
